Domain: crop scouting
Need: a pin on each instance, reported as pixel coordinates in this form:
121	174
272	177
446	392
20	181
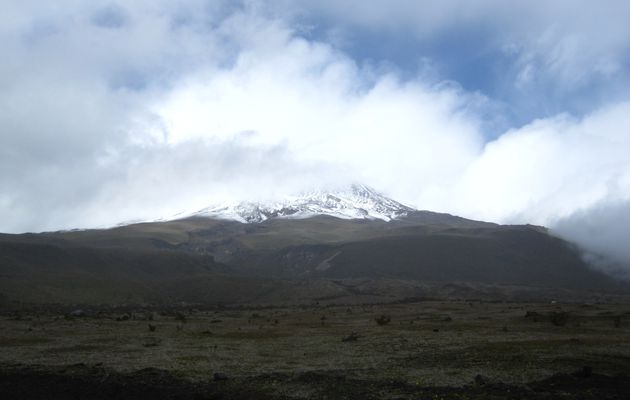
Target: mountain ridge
299	254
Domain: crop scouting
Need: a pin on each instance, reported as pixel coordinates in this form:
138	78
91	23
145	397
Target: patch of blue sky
474	56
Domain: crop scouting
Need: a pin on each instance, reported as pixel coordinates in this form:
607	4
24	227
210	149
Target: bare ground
429	349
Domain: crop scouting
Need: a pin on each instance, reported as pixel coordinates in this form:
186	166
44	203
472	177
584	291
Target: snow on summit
353	202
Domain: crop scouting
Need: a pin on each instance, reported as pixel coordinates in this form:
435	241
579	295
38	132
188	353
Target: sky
512	112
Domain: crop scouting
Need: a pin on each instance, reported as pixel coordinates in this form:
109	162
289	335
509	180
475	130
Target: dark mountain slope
208	260
518	256
522	255
62	272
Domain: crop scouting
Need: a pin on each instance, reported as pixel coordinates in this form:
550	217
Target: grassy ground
425	343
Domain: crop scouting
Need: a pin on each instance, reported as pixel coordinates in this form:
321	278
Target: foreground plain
422	349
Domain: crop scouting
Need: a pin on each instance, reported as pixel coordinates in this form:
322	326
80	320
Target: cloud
602	231
285	113
567	173
162	181
552	167
536	58
554	36
326	108
111	16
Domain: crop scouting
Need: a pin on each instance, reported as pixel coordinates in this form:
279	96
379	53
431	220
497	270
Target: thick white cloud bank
552	168
111	113
572	175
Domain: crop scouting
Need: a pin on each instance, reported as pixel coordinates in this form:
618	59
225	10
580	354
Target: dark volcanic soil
92	382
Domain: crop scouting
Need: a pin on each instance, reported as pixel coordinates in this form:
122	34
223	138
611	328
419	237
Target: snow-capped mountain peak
353	202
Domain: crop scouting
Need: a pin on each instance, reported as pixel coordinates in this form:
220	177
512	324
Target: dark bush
559	318
151	342
124	317
180	317
353	337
